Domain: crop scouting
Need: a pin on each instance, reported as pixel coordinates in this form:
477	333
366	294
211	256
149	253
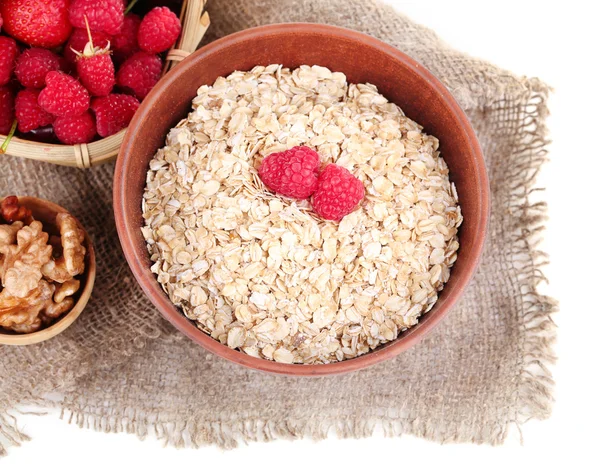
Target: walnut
11	211
22	266
68	288
54	310
22	315
8	236
72	261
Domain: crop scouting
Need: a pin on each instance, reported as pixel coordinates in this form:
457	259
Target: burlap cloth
121	367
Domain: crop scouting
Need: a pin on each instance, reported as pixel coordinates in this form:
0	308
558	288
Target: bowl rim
159	298
71	316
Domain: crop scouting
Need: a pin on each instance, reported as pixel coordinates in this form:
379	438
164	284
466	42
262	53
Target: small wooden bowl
45	212
363	59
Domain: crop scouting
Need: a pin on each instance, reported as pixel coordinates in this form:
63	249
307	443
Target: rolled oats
262	273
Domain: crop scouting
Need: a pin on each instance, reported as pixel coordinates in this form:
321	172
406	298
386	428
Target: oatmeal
263	273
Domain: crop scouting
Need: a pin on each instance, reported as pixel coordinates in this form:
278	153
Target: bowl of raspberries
73	72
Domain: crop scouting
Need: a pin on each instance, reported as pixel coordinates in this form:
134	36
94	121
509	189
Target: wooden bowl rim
62	324
150	285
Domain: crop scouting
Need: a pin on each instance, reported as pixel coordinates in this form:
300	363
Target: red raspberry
292	173
113	113
8	55
34	64
159	30
95	69
63	95
79	39
7	109
37	23
1	22
29	114
80	129
139	74
338	193
125	44
103	15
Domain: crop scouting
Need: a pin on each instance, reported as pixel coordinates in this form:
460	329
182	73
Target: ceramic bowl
363	59
45	212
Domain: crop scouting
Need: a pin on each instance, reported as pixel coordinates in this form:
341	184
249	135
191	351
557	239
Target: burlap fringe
228	435
10	434
534	388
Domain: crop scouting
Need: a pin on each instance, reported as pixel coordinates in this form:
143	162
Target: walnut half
72	261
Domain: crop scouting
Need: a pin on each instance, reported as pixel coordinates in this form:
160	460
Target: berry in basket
34	64
38	24
76	71
28	112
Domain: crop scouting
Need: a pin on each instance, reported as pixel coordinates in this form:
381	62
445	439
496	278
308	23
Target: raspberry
97	74
292	173
8	55
139	74
95	69
338	193
34	64
159	30
63	95
80	129
113	113
1	23
79	39
7	109
103	15
37	23
125	44
29	114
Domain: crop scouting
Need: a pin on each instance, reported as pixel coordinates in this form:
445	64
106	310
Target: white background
535	38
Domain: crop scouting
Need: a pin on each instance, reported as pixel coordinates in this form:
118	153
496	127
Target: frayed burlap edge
533	387
534	392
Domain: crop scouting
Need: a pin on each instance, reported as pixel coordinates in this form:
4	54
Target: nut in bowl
302	212
47	268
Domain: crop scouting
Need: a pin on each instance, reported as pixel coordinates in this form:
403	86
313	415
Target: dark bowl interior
363	59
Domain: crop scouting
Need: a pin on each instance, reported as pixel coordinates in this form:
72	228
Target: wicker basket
195	22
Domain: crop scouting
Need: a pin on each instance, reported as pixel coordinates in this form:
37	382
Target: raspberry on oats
338	193
292	173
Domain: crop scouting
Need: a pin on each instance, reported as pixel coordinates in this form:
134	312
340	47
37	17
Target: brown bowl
363	59
45	212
